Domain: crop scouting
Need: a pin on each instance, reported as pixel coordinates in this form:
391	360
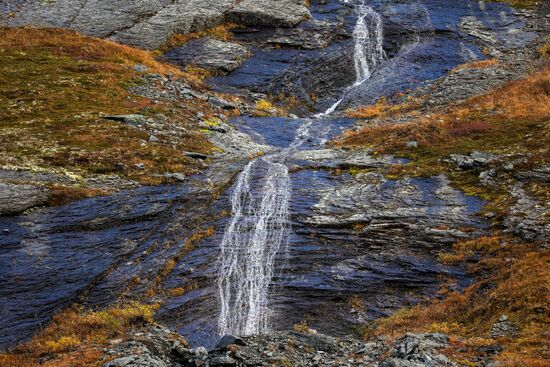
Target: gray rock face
471	161
332	158
97	18
527	217
149	23
209	54
15	199
540	174
177	17
272	13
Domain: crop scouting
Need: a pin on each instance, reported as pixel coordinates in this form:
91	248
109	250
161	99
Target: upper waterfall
368	36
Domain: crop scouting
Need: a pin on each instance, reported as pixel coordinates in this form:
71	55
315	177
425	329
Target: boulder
15	199
209	53
228	340
272	13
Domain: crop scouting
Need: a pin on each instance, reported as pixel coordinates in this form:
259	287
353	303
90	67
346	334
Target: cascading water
256	233
259	224
368	35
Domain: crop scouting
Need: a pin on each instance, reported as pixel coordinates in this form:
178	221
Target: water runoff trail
259	225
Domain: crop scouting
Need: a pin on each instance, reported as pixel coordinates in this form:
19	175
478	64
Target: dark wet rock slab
310	35
388	265
414	210
423	41
274	13
89	251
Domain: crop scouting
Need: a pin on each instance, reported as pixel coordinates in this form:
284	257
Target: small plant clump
267	108
221	32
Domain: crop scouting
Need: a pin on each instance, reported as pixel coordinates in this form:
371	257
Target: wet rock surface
354	235
154	346
275	13
417	210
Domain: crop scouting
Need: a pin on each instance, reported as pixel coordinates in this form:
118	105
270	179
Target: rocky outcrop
148	24
527	218
15	199
472	160
421	211
158	347
271	13
308	36
210	54
502	328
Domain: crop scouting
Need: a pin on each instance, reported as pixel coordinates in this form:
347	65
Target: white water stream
368	35
255	235
259	223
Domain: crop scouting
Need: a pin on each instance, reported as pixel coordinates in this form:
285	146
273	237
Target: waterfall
258	227
256	233
368	35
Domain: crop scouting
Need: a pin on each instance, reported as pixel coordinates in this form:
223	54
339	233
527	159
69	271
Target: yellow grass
75	336
482	64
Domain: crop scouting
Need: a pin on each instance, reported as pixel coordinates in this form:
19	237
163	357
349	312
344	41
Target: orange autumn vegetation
75	336
513	279
70	43
481	64
55	87
504	112
382	108
59	195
